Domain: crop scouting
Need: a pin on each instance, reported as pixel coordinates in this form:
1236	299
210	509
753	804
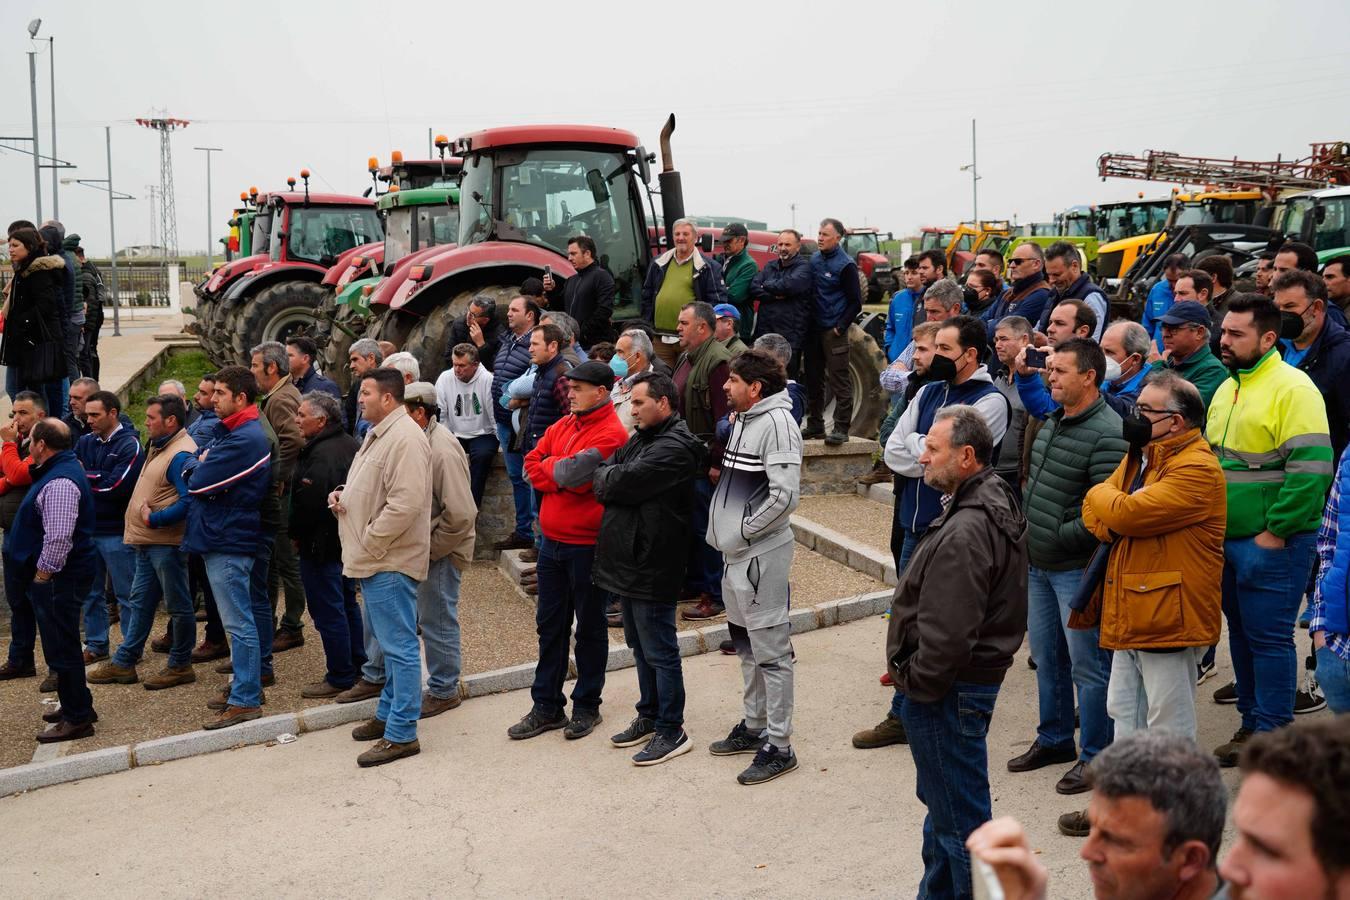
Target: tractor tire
429	337
865	363
336	329
215	339
274	314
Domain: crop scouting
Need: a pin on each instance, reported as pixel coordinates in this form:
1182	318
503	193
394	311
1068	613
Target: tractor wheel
337	328
211	330
274	314
429	337
865	362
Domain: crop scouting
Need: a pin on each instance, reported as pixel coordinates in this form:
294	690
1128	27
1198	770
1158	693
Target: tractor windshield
934	240
320	233
1077	226
865	242
408	229
1298	219
545	195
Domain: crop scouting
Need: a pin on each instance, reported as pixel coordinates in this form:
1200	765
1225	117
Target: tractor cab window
437	224
1333	232
965	242
325	232
262	229
861	243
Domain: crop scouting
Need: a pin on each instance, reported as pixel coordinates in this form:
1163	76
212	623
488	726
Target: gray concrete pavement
477	814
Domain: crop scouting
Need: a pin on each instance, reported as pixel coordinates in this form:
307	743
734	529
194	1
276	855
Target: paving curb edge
30	776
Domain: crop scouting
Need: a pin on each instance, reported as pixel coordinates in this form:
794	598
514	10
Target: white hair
406	363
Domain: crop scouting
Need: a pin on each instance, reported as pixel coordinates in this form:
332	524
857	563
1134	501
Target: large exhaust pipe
672	189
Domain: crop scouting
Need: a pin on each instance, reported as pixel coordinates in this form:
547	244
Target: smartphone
548	273
1035	359
985	881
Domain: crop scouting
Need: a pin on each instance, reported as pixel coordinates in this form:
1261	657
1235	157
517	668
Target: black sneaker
1227	693
741	740
534	724
1309	700
638	730
813	432
662	748
583	723
1203	671
727	647
768	765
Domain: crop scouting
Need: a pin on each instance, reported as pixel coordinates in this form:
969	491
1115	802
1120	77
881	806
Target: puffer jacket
1162	581
1071	454
645	490
513	358
976	551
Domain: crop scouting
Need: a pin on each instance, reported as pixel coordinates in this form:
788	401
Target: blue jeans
520	488
704	572
118	562
22	622
337	618
391	611
438	614
1333	674
1066	658
1262	590
649	629
56	606
260	598
161	571
482	452
951	767
565	593
230	574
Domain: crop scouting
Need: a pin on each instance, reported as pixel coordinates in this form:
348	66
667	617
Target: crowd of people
1110	490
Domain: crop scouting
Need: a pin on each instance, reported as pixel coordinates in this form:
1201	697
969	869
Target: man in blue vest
52	543
1064	269
957	376
838	302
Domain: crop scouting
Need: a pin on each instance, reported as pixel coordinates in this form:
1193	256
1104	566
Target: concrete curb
260	731
843	549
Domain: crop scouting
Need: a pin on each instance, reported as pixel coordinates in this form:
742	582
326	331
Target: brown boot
706	608
206	651
362	690
530	556
287	640
880	474
386	752
320	690
222	699
434	706
369	730
90	657
233	715
168	677
890	731
9	671
111	673
162	644
65	731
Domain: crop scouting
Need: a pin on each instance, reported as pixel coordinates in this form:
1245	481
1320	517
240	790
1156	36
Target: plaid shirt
58	503
1326	547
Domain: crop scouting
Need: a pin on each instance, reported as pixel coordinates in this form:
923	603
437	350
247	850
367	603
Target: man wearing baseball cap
728	321
738	271
1186	328
560	468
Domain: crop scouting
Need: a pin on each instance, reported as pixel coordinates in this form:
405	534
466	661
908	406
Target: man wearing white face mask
1127	345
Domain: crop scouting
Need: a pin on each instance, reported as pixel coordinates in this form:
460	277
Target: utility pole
51	58
974	178
112	238
37	153
793	207
210	246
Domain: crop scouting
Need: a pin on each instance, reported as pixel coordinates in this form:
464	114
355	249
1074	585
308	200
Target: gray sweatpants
756	593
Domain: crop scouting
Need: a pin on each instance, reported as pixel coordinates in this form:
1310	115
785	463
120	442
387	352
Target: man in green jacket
1080	445
738	271
1186	330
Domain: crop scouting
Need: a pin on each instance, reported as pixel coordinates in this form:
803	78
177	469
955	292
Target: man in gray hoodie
756	493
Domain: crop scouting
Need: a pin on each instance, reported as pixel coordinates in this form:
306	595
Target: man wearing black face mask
1315	343
955	377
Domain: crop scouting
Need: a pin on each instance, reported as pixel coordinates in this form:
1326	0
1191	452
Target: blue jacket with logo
228	488
905	305
111	469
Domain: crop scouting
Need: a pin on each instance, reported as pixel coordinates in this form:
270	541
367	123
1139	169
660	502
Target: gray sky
859	111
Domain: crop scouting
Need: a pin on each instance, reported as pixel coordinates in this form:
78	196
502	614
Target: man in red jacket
560	468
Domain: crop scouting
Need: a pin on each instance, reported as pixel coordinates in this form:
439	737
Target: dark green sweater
1070	455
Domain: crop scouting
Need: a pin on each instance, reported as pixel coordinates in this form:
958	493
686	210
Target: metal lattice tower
168	210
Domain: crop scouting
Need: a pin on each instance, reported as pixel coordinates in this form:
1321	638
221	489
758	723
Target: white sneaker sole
678	751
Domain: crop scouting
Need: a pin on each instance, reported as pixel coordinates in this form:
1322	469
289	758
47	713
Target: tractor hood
357	262
402	289
267	274
225	274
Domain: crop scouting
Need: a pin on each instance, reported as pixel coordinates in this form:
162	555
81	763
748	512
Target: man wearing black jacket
321	467
948	660
645	490
785	290
587	296
478	326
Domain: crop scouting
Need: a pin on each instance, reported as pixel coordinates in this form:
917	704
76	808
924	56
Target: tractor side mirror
595	180
1320	215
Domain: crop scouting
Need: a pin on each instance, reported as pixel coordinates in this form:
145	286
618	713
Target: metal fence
137	285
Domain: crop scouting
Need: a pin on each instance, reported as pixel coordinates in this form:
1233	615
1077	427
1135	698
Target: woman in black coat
32	346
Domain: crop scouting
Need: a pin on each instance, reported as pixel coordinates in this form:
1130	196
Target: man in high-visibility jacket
1268	426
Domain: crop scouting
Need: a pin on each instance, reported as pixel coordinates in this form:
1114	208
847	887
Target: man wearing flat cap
560	468
738	272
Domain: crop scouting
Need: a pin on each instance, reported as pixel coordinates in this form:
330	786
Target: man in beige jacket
452	531
384	516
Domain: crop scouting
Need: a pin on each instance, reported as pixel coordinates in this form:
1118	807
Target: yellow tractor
1133	229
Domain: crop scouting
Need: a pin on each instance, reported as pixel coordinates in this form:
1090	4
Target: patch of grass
186	367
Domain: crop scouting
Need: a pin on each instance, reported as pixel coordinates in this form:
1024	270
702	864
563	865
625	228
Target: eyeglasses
1148	410
1017	262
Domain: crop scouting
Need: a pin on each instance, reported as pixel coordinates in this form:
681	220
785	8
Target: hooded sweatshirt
760	483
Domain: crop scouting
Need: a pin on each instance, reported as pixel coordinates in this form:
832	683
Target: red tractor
523	192
864	245
275	292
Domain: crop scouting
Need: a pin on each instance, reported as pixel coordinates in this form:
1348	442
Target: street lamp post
51	59
37	153
106	184
210	246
